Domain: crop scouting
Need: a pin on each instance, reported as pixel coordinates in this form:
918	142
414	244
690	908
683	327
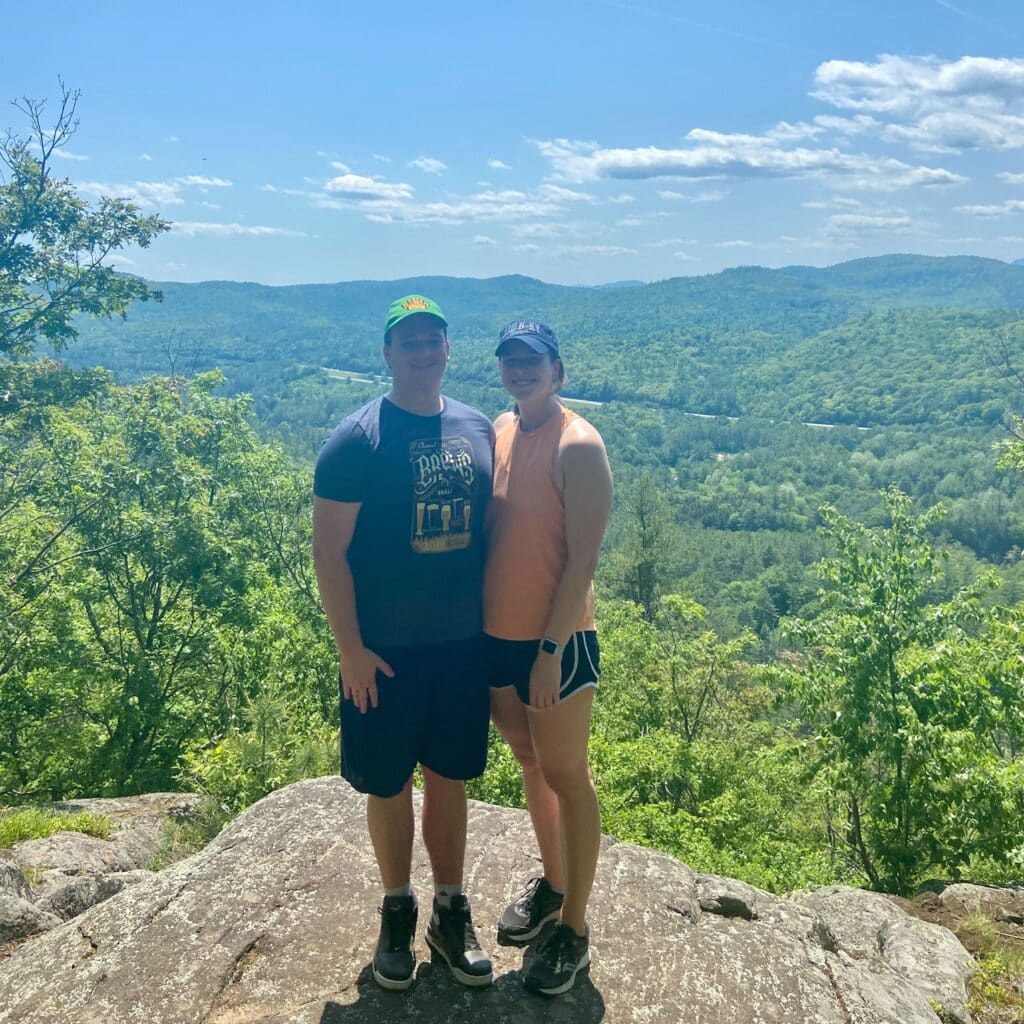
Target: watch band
552	647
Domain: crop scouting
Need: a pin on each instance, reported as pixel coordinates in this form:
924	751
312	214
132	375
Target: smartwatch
552	647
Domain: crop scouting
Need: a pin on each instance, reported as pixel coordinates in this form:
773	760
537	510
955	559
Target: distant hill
889	339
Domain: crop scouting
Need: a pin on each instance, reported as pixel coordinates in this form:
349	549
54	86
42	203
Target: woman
552	498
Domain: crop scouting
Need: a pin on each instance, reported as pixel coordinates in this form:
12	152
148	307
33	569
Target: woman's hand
545	681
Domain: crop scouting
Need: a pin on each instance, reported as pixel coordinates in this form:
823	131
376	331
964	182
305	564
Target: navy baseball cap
533	333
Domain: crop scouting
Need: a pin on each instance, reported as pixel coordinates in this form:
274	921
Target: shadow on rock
436	996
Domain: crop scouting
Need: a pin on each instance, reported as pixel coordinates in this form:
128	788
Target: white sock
402	890
443	893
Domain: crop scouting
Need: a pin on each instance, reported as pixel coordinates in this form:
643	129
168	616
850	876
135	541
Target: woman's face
526	374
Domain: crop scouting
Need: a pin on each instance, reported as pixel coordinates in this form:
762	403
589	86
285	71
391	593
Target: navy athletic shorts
509	663
434	712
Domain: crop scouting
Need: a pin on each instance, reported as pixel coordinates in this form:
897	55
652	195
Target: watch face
548	646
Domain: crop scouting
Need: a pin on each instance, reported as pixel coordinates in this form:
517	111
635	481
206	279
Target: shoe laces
560	946
530	893
397	922
462	921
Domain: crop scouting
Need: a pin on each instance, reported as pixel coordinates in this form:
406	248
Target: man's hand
359	668
545	681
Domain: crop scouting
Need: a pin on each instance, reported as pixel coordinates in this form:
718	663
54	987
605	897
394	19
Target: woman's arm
587	495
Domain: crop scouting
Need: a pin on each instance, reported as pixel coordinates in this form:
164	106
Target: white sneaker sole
391	984
583	965
472	980
525	938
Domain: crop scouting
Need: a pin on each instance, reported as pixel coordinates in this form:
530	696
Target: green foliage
54	250
997	985
907	726
156	564
181	839
18	824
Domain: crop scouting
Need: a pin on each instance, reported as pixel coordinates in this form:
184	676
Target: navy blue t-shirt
417	554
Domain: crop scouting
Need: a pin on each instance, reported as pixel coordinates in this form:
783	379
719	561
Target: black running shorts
434	712
509	663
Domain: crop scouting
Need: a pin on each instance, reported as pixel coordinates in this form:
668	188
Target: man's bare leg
391	825
444	826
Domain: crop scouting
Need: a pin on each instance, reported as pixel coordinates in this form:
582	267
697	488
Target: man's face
418	353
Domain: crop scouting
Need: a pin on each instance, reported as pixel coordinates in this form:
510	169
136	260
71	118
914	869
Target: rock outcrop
274	923
46	881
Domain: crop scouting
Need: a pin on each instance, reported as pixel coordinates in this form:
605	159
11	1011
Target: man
401	488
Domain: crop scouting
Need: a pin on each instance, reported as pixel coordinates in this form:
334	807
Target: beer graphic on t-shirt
442	514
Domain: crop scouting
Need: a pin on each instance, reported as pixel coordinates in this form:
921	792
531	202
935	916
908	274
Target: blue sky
584	141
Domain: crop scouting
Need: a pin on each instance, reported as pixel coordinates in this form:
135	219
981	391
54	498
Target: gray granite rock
85	891
870	927
20	919
999	902
275	922
12	880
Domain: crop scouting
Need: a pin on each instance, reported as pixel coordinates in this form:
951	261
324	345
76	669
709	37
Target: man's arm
334	523
587	497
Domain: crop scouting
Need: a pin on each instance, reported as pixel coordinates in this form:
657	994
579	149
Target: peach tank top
526	545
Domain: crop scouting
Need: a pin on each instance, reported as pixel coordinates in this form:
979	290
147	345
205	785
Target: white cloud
149	195
621	198
718	154
192	228
357	186
684	256
484	240
594	250
735	243
337	165
197	179
546	229
145	194
428	164
119	260
936	105
699	197
172	138
1011	206
844	223
847	125
1011	178
381	158
66	154
953	131
665	242
210	206
630	222
554	192
268	188
786	132
146	157
498	165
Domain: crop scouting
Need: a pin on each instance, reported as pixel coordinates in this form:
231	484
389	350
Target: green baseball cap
410	305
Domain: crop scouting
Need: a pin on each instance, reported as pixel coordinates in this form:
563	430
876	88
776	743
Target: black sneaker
452	938
393	962
562	955
524	919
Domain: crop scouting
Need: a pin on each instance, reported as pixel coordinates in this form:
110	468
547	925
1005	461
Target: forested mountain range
912	357
842	344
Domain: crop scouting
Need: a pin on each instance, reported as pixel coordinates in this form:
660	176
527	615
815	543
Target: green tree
54	248
163	579
907	724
